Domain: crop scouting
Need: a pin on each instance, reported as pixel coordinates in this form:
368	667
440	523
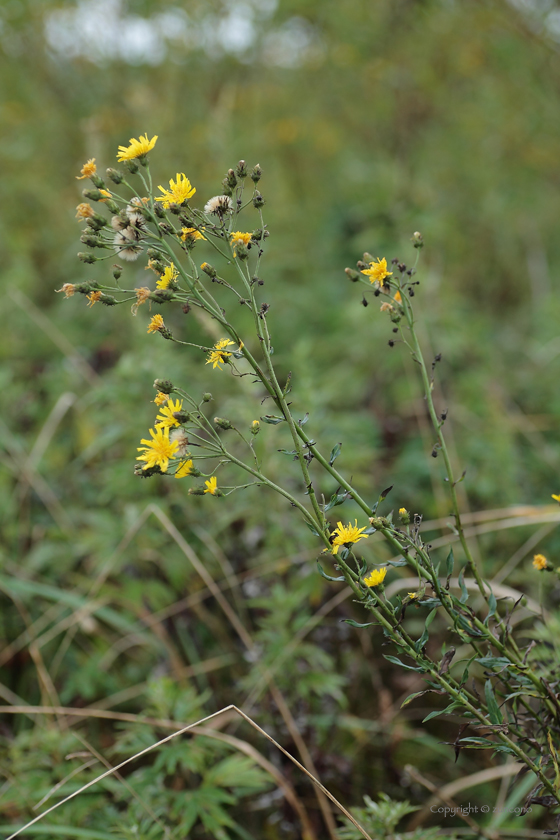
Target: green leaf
493	708
288	451
493	661
328	577
420	643
272	420
449	563
313	529
337	499
464	590
396	661
353	623
400	562
304	420
447	711
335	453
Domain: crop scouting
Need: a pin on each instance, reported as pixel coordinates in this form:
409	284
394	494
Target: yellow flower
137	148
376	577
159	450
68	289
219	354
166	417
347	534
412	595
161	398
398	297
84	211
178	192
87	170
93	297
185	469
377	271
156	324
540	562
238	237
402	511
191	233
211	485
556	498
167	277
107	195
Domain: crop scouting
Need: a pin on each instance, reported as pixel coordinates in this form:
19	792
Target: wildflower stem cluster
168	232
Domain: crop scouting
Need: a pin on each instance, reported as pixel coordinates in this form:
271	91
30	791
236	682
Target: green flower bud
132	166
159	211
352	275
206	397
164	385
182	416
258	200
255	427
115	176
196	491
87	258
417	239
256	174
222	423
209	269
117	271
241	169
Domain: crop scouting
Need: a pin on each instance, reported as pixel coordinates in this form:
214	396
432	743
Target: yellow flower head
402	511
556	498
398	297
376	577
238	237
87	170
211	485
346	534
137	148
377	271
191	233
219	355
93	297
178	192
161	398
184	469
68	289
84	211
159	450
165	418
107	195
156	324
167	277
540	562
412	595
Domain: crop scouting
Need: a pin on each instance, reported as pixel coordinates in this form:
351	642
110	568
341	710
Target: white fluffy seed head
219	204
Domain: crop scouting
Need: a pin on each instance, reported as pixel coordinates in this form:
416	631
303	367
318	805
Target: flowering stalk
167	229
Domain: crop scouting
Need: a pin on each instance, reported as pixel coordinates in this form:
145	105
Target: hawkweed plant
505	691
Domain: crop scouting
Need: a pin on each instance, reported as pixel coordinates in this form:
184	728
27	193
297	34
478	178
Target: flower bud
132	166
255	427
241	169
258	200
182	416
206	397
256	174
159	211
368	257
115	176
161	295
92	241
93	195
174	208
97	181
117	271
226	189
222	423
152	254
352	275
97	222
87	258
196	491
209	269
417	239
165	227
241	250
163	385
231	179
404	516
148	472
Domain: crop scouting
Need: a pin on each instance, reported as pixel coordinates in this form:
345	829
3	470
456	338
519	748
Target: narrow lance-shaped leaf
464	590
335	453
493	709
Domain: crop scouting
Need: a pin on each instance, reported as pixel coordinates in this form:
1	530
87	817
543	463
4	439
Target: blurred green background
371	120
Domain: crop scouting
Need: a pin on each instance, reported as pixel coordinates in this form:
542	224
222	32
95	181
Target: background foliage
370	120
